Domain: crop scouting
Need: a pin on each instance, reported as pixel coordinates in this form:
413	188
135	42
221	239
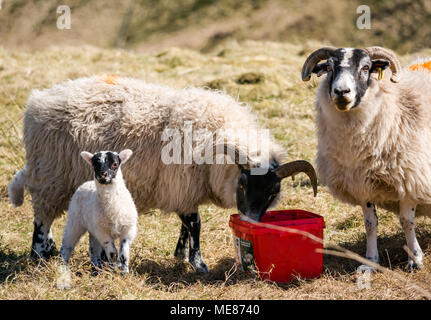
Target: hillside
154	25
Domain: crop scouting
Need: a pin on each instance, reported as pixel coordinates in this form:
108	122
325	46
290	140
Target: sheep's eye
241	186
328	68
365	68
114	165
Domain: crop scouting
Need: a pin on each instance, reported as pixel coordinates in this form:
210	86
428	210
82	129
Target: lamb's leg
371	223
108	245
125	254
192	222
43	245
407	220
72	234
96	251
125	242
182	244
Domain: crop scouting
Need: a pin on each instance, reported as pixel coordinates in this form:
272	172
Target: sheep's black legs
192	224
43	245
181	249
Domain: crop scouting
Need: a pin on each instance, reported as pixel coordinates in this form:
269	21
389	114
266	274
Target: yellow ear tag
381	73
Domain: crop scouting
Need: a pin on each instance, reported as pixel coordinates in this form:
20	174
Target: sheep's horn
236	154
383	53
313	59
294	167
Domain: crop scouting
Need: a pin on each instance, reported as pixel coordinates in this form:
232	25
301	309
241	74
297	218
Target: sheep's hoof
124	269
44	251
181	255
103	256
113	266
95	271
200	267
413	266
363	268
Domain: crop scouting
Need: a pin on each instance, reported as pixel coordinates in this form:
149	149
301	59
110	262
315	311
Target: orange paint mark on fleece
109	78
421	66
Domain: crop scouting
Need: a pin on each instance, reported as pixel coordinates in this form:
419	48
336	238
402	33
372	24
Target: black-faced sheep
95	114
374	136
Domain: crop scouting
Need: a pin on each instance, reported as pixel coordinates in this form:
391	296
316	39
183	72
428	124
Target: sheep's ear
321	68
87	156
125	155
379	65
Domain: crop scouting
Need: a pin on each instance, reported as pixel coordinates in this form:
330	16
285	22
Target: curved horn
294	167
313	59
383	53
236	154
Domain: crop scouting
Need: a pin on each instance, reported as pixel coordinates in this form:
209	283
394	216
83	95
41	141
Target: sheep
373	137
105	208
153	120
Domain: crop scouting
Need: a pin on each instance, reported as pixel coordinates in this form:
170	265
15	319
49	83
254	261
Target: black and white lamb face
349	71
106	164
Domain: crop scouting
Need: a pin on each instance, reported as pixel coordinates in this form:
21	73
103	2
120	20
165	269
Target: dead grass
270	82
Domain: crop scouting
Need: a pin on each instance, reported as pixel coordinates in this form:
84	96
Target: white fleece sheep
104	208
111	113
374	137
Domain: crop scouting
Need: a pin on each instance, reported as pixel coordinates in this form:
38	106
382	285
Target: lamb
155	121
105	208
374	137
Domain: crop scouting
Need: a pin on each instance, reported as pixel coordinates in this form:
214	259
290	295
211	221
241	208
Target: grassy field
282	102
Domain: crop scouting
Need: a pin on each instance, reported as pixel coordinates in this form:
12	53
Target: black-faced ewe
374	136
93	114
104	208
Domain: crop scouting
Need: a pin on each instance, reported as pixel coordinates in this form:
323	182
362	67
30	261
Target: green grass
282	103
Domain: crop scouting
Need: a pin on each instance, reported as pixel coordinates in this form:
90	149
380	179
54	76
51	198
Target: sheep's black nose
341	92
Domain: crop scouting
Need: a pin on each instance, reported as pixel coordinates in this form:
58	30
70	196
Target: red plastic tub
278	255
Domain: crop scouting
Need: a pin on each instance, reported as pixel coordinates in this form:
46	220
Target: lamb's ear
87	156
125	155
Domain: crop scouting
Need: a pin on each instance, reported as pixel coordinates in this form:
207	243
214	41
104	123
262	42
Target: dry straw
345	253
